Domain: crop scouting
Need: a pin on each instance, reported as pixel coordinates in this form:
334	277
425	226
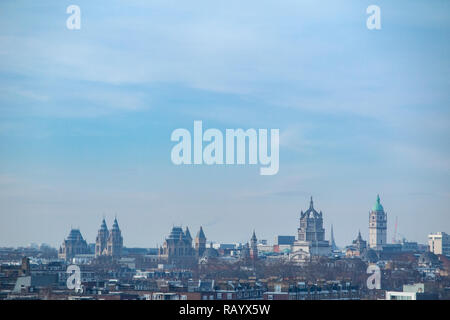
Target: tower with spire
333	243
311	234
115	241
377	226
254	247
102	239
200	242
109	242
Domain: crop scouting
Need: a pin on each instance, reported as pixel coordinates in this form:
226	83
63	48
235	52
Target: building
254	247
416	291
109	243
101	240
439	243
357	248
73	245
200	241
178	246
377	226
311	234
284	240
115	241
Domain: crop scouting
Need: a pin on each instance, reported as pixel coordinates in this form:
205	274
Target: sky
86	117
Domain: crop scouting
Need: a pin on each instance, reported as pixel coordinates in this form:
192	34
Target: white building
439	243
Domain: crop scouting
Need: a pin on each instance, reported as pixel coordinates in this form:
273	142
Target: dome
377	206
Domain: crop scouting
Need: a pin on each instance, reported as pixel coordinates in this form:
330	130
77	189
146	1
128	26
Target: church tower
254	247
101	240
200	242
115	241
377	226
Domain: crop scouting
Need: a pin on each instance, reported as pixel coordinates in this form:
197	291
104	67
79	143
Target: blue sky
86	116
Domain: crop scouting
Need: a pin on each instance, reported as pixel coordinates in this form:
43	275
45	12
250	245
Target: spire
254	236
201	234
115	224
103	226
311	204
188	234
359	238
333	243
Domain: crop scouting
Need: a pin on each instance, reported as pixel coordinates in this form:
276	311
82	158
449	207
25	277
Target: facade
377	226
311	234
178	247
73	245
439	243
284	240
109	243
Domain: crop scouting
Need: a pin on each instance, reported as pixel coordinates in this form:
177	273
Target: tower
311	234
25	268
377	226
254	247
115	241
333	243
102	239
311	225
200	242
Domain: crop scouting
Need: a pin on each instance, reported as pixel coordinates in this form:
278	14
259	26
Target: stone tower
311	225
254	247
200	242
115	241
377	226
101	241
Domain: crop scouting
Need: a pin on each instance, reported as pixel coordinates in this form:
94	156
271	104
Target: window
219	295
229	296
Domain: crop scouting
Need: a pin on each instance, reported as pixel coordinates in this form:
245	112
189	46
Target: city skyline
365	234
86	117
